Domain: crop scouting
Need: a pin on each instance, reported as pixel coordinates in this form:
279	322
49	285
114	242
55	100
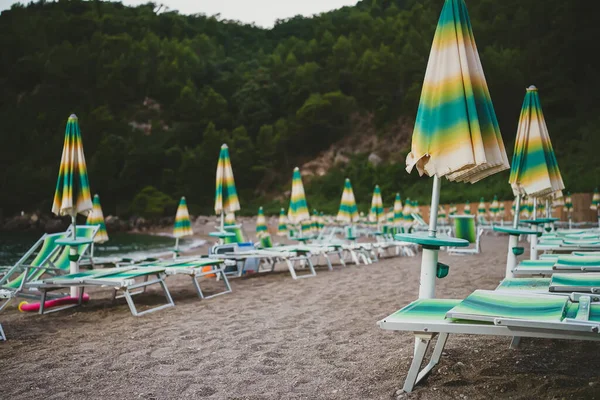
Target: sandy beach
275	338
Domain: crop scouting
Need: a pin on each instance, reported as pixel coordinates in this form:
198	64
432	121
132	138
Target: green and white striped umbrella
321	220
501	210
407	211
72	195
389	215
441	212
282	228
96	217
568	203
398	215
226	198
534	170
261	224
494	207
467	208
183	226
376	212
481	208
595	200
314	221
453	209
416	209
456	133
348	211
298	210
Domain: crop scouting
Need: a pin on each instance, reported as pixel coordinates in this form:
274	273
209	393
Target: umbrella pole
222	222
73	265
513	241
429	258
533	243
176	248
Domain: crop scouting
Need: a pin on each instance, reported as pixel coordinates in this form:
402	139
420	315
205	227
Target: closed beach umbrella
453	209
348	211
298	210
456	133
282	228
261	224
501	210
226	198
72	195
494	207
595	200
416	209
376	213
481	209
96	217
183	226
568	207
407	210
467	208
398	215
534	171
441	213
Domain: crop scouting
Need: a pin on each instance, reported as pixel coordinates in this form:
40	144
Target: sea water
135	246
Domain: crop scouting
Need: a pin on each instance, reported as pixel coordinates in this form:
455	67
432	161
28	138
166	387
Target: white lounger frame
426	331
196	273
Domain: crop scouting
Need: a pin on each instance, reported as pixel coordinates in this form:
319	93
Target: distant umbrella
96	217
261	224
226	198
376	213
282	228
298	210
348	211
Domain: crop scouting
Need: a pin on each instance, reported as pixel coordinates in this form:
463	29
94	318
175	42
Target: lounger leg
420	350
435	357
146	280
291	268
341	257
197	286
114	295
127	294
515	342
2	335
43	301
329	266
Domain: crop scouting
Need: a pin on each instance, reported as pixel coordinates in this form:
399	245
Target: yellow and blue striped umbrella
183	226
261	224
96	217
282	228
376	213
534	170
72	195
456	133
481	208
226	198
298	210
398	215
595	200
348	211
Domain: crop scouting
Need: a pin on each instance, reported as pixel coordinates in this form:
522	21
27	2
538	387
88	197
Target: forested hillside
157	93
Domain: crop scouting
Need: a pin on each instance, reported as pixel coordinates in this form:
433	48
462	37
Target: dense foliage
157	93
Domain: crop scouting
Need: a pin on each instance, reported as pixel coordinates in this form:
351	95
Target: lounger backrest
464	228
266	242
419	219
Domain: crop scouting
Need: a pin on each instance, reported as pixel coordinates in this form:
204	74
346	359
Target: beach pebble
592	384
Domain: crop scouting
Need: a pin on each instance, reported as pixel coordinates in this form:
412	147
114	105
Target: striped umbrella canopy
456	133
467	208
397	209
416	209
376	212
183	226
282	228
298	210
389	215
96	217
229	219
348	211
501	210
595	200
321	220
494	207
527	209
453	209
481	208
72	195
261	224
568	203
534	170
314	221
226	198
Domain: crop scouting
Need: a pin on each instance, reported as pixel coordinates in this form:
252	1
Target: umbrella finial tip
72	116
531	87
224	146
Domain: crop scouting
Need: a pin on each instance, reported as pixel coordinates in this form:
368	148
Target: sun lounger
491	313
5	297
195	268
566	263
465	228
291	256
124	279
